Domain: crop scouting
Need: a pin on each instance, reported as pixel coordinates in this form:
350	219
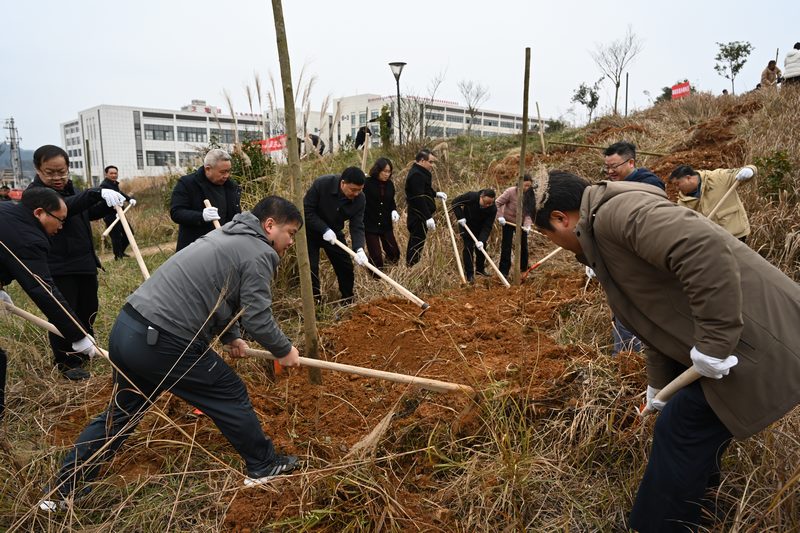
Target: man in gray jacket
160	342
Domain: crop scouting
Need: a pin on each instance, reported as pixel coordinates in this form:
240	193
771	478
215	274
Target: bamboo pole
367	139
642	152
516	274
425	383
207	203
110	227
494	267
541	130
453	240
134	246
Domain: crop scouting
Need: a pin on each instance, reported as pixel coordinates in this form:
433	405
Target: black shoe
470	279
76	374
482	273
282	464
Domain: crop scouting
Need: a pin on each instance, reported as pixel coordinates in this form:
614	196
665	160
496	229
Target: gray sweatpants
195	373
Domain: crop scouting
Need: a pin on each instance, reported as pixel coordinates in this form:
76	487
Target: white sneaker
283	464
52	506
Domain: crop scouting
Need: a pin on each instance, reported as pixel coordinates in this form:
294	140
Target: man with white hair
210	182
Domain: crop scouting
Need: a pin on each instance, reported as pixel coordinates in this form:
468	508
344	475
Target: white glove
112	198
441	195
744	174
431	224
210	213
84	346
462	221
501	220
4	298
712	367
132	202
479	245
361	257
395	216
329	236
526	229
590	272
651	399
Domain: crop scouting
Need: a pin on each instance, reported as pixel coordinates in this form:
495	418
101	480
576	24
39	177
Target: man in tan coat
702	190
697	297
771	76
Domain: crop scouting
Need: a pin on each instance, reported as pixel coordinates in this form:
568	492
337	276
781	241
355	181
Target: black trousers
119	239
80	292
191	371
417	230
467	254
688	443
507	245
3	363
390	247
340	260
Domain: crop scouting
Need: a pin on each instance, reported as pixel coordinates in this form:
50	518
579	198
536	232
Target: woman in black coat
380	213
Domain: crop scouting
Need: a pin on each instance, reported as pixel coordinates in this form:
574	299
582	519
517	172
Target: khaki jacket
769	78
713	186
677	281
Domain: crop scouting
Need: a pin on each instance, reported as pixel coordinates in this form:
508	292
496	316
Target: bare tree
413	114
613	58
474	95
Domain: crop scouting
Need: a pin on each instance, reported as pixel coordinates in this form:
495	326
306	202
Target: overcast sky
62	57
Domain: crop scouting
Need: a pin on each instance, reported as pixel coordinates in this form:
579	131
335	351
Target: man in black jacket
72	260
119	240
421	201
210	182
475	210
329	202
24	233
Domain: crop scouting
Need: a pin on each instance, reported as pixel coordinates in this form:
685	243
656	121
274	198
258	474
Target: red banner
681	90
273	144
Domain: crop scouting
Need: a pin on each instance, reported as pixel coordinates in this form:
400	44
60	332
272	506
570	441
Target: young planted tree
309	310
613	59
731	58
588	96
474	95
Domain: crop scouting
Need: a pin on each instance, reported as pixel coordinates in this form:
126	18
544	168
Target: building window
160	159
454	132
155	132
455	118
362	118
223	136
192	135
189	159
436	131
504	124
434	116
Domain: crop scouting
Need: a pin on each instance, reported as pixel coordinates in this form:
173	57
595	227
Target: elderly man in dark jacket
475	210
328	204
25	233
706	301
161	342
421	202
210	182
119	239
73	262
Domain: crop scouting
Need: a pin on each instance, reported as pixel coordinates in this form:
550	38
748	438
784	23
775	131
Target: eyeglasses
50	173
62	220
609	168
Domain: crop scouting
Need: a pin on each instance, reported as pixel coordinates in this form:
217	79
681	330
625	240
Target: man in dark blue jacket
475	210
25	233
329	202
421	202
72	260
119	240
210	182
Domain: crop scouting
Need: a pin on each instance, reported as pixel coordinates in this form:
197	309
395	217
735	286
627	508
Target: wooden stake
367	139
516	275
399	288
494	267
642	152
208	204
134	246
109	228
453	240
541	130
425	383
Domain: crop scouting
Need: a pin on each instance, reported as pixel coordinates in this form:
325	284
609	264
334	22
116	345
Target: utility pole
16	162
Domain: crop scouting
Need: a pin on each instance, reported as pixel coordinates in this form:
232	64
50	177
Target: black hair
527	177
379	165
623	149
41	197
109	167
797	46
564	193
488	192
279	209
681	171
423	155
353	175
772	62
47	152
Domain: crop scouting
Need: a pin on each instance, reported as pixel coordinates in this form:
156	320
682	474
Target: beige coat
769	78
677	281
507	206
713	186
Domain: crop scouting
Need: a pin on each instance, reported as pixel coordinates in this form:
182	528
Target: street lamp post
397	69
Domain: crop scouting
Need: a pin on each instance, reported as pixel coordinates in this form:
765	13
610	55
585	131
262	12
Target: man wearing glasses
620	165
421	201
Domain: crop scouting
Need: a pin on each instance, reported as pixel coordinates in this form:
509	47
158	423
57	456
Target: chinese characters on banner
273	144
680	90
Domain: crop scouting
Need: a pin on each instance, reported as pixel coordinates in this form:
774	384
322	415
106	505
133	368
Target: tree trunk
304	266
516	275
616	96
